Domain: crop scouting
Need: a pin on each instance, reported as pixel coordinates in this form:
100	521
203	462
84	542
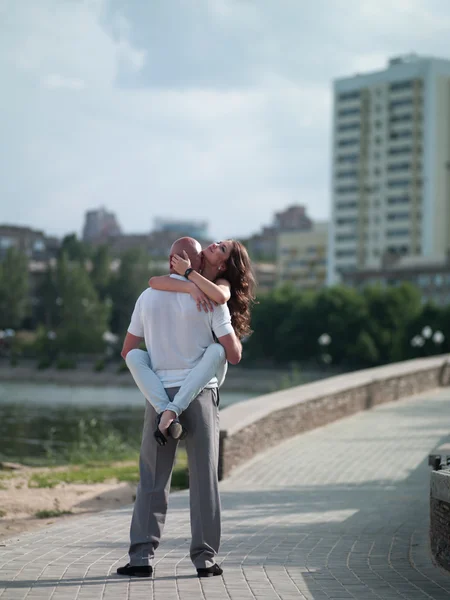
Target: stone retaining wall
440	517
254	425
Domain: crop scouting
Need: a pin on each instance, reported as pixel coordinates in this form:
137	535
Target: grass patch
99	365
122	368
93	441
49	514
65	363
86	475
3	478
99	473
2	513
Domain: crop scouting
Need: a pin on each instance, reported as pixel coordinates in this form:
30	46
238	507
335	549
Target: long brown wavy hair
239	273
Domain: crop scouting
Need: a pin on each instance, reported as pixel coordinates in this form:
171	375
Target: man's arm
232	347
130	343
135	333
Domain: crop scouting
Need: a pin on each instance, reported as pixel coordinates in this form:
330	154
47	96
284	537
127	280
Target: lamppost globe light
109	337
427	332
417	341
324	339
438	337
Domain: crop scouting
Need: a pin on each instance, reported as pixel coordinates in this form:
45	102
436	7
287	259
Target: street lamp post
428	337
110	340
324	342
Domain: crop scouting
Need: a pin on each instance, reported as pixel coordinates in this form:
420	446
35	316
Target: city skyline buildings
100	225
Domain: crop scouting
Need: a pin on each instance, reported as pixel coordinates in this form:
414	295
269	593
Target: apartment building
293	218
99	226
302	257
391	165
266	277
263	245
35	244
180	227
431	278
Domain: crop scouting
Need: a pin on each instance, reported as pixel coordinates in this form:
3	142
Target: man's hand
202	299
166	419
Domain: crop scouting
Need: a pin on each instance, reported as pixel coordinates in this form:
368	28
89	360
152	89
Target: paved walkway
337	513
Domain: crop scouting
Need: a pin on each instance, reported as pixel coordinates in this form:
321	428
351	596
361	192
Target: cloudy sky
211	109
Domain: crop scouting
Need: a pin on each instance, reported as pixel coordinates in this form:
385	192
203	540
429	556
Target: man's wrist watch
188	272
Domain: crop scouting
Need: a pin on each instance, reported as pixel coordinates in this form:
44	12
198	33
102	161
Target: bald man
176	335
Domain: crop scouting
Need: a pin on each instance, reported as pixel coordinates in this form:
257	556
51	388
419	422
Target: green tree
391	312
74	249
101	270
444	327
126	286
296	332
83	318
267	317
288	324
46	311
14	282
342	314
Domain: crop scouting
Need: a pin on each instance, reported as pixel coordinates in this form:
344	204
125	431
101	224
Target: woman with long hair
226	277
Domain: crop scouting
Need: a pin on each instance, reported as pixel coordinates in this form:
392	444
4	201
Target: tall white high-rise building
391	165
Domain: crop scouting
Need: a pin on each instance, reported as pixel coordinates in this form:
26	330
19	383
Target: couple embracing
192	321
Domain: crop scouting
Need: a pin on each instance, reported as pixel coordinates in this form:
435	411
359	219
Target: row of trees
75	303
344	327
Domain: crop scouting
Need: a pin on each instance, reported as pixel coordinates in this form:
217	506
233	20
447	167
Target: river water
41	423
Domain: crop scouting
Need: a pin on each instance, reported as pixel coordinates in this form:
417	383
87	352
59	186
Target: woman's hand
202	300
181	264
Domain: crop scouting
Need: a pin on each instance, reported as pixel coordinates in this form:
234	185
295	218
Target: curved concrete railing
254	425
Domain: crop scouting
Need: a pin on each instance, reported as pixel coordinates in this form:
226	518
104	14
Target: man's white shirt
176	333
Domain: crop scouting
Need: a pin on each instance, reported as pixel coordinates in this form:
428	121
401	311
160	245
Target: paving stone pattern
340	512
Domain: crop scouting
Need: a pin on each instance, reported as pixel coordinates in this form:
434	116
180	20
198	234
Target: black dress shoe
130	571
210	571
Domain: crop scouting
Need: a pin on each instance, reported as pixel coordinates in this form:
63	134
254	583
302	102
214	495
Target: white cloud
214	109
55	81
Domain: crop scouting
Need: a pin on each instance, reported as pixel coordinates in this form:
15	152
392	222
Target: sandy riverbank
19	503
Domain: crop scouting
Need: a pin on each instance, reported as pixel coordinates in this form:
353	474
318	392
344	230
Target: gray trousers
201	420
